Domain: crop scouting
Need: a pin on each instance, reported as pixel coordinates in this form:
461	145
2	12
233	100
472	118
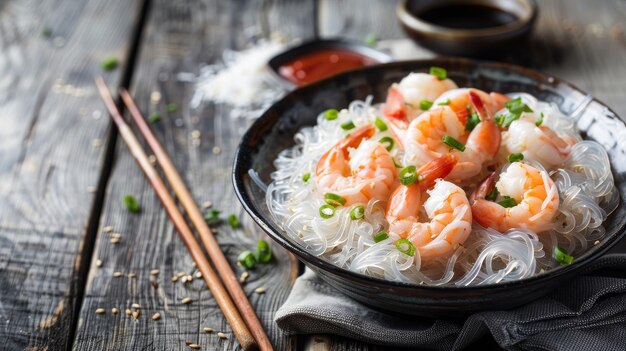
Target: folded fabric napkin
586	313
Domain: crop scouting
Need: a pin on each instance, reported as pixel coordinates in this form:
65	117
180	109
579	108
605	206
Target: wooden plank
52	151
180	36
356	20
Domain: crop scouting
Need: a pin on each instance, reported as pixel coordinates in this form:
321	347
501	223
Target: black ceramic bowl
275	129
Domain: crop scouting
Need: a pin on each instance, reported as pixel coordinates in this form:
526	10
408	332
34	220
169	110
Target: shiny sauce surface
466	16
313	66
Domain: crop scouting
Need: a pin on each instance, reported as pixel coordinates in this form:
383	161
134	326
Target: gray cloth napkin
586	313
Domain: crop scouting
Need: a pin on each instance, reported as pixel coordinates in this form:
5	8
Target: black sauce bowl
274	131
481	42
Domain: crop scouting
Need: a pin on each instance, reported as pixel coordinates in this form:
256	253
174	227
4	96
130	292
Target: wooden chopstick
194	213
220	294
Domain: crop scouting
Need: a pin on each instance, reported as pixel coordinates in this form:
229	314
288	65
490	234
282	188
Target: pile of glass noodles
443	185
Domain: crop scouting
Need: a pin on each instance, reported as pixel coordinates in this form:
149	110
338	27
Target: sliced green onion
493	194
408	175
380	236
539	121
347	125
516	157
561	256
499	119
357	212
109	63
213	218
233	221
380	124
371	40
131	204
507	202
46	32
444	103
425	105
306	177
387	140
405	246
172	107
247	259
263	251
327	211
451	142
510	118
334	199
395	163
517	106
439	72
331	114
154	117
472	122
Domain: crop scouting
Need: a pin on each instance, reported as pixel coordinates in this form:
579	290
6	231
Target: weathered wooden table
63	171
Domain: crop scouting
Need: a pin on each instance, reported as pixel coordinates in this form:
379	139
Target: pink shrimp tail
340	150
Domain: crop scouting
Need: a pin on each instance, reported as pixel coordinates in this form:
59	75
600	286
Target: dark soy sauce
466	16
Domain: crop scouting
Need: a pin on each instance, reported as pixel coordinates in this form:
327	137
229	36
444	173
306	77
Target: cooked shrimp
537	143
535	194
403	99
423	141
447	209
463	101
357	169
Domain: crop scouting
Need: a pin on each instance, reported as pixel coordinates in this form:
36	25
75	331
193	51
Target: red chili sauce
316	65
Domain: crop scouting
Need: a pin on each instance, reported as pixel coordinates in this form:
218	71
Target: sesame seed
100	311
222	335
181	274
183	279
198	274
128	312
155	97
115	240
98	263
195	134
114	310
91	189
156	316
244	277
135	306
186	300
189	278
207	204
132	275
117	274
107	229
259	291
152	159
208	330
194	346
175	278
136	314
216	150
596	242
154	272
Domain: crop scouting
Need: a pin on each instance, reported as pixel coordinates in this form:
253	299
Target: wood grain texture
356	19
52	151
179	37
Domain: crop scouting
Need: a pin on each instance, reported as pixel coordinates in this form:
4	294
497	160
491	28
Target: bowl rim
240	170
415	23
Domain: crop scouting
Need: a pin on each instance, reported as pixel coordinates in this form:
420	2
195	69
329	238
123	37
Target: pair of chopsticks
248	329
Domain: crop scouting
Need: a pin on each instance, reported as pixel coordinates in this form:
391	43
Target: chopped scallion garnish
444	103
371	40
172	108
387	140
405	246
327	211
380	236
395	163
516	157
517	106
380	124
233	221
357	212
472	122
439	72
263	251
499	119
334	199
561	256
247	259
539	121
213	218
347	125
331	114
451	142
493	194
408	175
507	202
306	177
131	204
425	105
109	63
154	117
